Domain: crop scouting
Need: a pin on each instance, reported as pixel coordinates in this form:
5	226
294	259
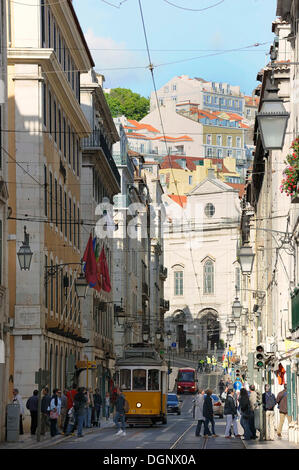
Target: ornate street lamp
145	333
246	258
232	327
81	286
169	335
236	308
158	334
272	119
229	337
25	254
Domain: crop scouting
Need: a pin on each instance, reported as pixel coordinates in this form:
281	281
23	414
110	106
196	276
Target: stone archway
208	326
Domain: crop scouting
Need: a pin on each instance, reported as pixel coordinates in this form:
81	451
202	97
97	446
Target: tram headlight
138	405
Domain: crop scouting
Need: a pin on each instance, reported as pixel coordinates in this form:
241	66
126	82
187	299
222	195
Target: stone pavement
26	441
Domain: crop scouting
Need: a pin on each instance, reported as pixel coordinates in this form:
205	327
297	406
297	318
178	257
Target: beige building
5	161
46	52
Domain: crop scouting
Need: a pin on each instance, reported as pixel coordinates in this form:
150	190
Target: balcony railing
123	160
121	201
163	272
96	140
164	304
295	309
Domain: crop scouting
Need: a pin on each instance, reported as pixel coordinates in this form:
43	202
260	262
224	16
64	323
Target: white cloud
109	54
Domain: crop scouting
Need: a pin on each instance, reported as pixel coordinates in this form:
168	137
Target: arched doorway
179	319
209	328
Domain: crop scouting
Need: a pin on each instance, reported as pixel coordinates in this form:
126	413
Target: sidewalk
26	441
278	443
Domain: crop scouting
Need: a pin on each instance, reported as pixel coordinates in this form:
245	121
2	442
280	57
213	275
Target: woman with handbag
245	413
55	407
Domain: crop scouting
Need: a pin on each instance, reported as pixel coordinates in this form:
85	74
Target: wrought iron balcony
164	304
163	272
96	140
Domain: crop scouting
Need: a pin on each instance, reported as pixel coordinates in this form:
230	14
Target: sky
117	42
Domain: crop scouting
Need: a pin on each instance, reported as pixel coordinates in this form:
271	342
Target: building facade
45	54
5	323
100	181
200	255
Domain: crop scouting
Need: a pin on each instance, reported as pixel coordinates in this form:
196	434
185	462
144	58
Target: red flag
90	264
98	264
106	286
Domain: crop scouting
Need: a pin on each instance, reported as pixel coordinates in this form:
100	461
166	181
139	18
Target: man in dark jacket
282	401
230	411
79	405
32	406
208	414
45	403
97	399
221	386
120	413
269	402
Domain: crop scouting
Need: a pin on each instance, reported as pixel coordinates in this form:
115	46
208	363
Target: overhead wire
151	68
194	9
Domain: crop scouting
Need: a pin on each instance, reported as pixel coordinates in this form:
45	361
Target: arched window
208	276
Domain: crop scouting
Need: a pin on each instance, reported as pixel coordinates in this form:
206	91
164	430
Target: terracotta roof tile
180	200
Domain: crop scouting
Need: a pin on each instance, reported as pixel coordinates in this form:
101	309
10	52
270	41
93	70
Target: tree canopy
123	101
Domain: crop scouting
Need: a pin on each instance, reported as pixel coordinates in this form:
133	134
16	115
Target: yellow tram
143	378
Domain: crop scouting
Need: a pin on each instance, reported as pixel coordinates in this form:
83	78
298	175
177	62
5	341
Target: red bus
186	380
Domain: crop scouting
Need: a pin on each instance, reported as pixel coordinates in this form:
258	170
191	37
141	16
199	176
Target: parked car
218	407
173	403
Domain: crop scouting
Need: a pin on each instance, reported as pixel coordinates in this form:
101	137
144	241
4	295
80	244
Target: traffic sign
173	345
85	364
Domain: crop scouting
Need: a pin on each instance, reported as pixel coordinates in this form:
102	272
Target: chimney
211	173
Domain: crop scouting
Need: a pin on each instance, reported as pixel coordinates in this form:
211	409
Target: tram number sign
173	345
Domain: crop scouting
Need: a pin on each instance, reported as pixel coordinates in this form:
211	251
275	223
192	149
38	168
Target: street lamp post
272	119
25	254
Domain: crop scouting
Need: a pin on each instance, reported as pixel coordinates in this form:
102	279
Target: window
237	278
229	141
69	144
78	233
239	142
173	87
56	202
209	139
51	197
65	215
44	88
178	283
59	130
219	153
125	379
45	191
70	216
190	179
43	23
64	138
139	379
50	112
46	286
209	152
51	289
208	277
153	379
219	140
1	250
60	208
209	210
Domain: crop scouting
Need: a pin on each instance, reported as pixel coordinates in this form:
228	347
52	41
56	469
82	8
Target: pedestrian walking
230	411
221	386
107	406
17	400
45	413
198	411
269	402
70	402
254	403
63	411
32	406
245	413
78	412
282	402
120	413
54	408
87	417
209	415
90	407
97	406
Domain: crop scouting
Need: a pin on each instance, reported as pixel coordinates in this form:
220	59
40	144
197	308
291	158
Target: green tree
123	101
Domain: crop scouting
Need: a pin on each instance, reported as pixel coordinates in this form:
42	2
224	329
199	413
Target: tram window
139	379
153	379
125	379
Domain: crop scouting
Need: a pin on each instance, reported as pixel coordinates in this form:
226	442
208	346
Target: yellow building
179	175
47	51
